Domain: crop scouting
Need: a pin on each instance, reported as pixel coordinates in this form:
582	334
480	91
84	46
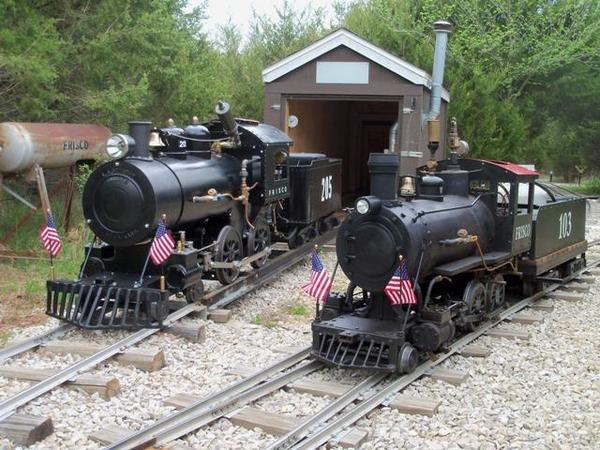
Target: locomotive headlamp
367	205
118	145
362	206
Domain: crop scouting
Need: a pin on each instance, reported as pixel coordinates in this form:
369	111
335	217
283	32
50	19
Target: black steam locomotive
225	189
465	229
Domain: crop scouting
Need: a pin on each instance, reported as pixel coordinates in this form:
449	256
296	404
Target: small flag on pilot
399	289
320	283
50	238
162	245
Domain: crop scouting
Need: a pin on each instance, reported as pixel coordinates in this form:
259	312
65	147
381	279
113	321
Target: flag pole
47	214
317	306
414	286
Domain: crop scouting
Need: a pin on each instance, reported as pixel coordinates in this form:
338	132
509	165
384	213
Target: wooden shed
342	95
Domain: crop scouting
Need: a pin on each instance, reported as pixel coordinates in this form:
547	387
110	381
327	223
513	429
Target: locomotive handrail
454	208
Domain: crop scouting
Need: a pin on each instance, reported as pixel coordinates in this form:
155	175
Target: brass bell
408	187
155	140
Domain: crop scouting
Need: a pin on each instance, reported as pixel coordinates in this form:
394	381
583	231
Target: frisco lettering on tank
74	144
522	231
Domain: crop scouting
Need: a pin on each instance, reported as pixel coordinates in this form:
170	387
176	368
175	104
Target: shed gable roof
346	38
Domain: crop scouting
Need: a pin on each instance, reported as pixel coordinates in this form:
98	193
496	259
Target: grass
265	321
590	186
298	310
23	281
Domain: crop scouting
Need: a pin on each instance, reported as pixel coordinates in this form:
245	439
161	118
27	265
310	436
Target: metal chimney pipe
442	29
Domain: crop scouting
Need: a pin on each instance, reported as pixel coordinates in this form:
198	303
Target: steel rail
27	344
384	395
328	412
219	404
10	405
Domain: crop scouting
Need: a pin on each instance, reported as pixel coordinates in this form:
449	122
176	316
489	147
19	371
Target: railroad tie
576	287
192	331
543	305
525	319
475	351
106	386
319	388
115	433
413	405
508	334
271	423
181	400
586	279
566	295
352	438
24	429
449	376
143	358
219	315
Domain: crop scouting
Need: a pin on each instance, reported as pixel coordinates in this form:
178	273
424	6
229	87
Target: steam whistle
433	131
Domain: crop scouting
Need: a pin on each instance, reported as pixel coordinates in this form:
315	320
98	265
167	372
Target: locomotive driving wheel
229	249
495	288
258	239
474	299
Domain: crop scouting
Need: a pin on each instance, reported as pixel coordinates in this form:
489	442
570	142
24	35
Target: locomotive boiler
225	189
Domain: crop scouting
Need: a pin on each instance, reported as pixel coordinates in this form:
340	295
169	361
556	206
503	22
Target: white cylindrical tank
51	145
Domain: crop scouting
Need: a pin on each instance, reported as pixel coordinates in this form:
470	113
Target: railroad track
214	299
327	423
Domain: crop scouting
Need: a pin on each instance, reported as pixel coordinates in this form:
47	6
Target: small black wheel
408	358
495	295
194	292
229	249
158	310
474	299
259	239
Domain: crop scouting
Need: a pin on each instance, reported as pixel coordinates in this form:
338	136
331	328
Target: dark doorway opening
342	128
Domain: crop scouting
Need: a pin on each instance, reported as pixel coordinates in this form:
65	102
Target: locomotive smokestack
140	132
229	124
442	29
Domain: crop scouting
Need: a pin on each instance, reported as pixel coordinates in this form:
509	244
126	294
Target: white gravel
541	393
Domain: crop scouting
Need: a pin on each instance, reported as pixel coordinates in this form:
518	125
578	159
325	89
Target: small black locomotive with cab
464	228
225	189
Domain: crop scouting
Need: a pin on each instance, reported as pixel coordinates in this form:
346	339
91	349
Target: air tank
51	145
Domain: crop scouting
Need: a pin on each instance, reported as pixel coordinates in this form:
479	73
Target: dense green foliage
523	74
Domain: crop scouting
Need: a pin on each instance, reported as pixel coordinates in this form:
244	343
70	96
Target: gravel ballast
543	392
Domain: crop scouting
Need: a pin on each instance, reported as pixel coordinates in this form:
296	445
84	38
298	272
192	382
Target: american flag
399	289
162	245
49	237
320	283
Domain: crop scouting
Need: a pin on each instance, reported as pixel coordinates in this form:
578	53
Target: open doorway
349	129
